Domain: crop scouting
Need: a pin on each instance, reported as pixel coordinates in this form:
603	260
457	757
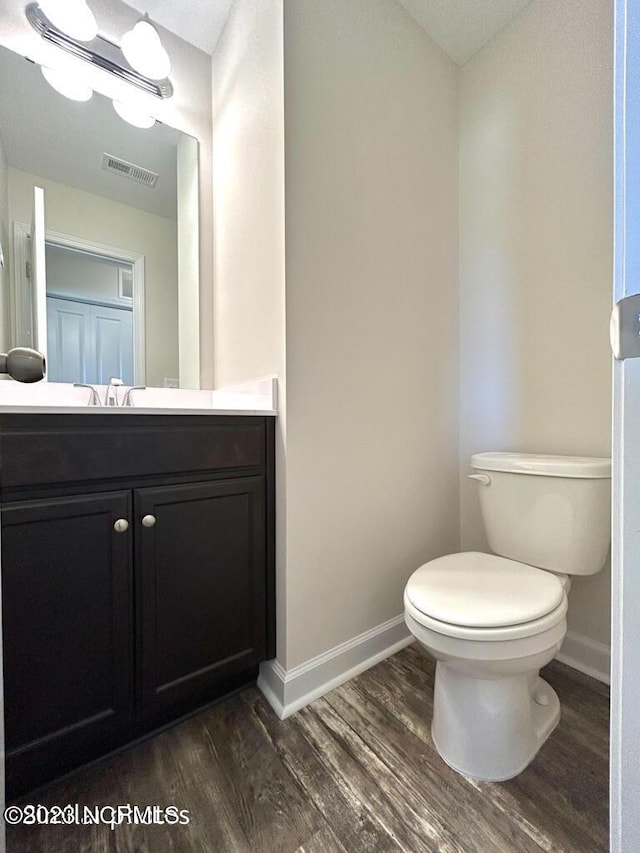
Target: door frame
625	544
20	292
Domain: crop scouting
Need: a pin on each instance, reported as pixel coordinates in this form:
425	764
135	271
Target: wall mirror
99	232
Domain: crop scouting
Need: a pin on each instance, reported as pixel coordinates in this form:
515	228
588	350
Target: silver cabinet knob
148	521
121	525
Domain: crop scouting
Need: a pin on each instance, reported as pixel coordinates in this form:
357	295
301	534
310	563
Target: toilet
491	621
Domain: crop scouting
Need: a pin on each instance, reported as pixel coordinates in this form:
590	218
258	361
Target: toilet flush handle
485	479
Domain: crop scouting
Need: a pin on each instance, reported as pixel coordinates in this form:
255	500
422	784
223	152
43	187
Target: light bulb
144	51
67	84
134	114
73	17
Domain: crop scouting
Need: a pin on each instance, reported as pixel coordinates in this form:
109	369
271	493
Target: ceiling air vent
129	170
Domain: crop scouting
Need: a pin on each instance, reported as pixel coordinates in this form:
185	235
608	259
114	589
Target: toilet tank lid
585	467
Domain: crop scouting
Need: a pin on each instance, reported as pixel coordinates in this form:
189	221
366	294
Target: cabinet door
67	633
201	591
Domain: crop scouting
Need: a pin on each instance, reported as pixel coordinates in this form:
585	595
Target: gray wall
371	314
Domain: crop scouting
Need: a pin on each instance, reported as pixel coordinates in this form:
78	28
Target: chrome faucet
111	397
128	400
94	399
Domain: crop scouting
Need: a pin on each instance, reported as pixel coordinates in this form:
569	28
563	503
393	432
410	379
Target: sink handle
94	399
128	399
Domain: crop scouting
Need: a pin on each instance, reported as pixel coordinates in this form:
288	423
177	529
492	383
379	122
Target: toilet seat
506	632
479	596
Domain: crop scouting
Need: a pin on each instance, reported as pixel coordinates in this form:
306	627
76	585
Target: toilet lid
483	591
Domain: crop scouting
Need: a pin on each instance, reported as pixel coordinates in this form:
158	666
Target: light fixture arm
100	53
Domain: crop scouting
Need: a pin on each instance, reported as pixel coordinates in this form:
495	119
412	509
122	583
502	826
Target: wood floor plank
575	679
411	703
558	789
273	810
204	792
324	841
590	705
344	813
583	734
357	768
84	788
153	774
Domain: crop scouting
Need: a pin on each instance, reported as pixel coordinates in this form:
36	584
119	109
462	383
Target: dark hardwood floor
354	772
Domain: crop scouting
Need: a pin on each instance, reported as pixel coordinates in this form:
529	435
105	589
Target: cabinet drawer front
57	449
201	587
67	627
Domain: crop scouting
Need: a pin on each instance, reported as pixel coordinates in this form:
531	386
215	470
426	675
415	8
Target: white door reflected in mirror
90	324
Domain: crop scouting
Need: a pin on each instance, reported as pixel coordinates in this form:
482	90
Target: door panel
67	632
113	344
201	588
69	337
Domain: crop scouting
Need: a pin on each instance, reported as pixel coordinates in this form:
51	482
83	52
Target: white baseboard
586	655
288	691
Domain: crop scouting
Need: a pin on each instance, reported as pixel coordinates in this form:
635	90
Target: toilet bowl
492	711
492	622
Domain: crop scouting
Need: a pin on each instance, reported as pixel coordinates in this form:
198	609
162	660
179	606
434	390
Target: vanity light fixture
67	84
67	24
73	17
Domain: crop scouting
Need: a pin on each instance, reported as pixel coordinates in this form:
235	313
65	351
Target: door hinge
28	270
625	328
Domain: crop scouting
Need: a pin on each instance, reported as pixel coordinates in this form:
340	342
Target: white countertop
257	398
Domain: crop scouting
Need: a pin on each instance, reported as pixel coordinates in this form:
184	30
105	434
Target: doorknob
121	525
148	520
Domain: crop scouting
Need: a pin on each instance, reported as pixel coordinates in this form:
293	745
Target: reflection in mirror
89	317
98	228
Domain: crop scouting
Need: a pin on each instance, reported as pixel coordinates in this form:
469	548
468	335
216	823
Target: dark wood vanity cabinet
128	601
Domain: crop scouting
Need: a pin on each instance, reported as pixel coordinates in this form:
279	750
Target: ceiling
460	27
75	137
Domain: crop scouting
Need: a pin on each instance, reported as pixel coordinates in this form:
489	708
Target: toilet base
491	729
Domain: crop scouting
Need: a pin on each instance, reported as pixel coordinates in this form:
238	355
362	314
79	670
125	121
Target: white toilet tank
553	512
